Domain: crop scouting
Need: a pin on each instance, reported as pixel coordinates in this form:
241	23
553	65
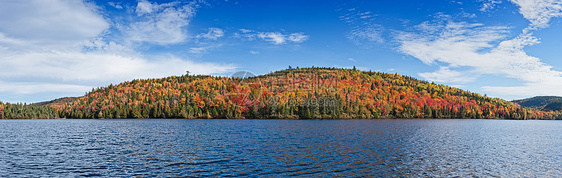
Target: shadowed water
310	148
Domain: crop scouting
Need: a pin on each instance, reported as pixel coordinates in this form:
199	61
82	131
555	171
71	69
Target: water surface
303	148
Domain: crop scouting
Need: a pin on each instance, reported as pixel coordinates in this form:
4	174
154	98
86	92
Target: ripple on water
250	148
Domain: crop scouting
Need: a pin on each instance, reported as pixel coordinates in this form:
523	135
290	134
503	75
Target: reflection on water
312	148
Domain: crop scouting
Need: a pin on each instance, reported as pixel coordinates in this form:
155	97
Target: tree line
301	93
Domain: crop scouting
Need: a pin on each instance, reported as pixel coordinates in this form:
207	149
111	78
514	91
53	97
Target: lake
302	148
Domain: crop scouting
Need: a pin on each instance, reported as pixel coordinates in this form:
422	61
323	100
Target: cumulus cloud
72	74
65	47
66	68
160	24
50	22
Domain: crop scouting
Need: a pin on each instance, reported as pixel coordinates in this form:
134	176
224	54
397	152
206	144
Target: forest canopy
301	93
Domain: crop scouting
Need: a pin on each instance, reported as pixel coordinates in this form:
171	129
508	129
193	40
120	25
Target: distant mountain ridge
59	101
301	93
546	103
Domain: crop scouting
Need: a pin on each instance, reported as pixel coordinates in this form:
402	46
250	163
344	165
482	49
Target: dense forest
305	93
544	103
25	111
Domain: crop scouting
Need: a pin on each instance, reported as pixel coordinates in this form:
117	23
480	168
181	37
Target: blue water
310	148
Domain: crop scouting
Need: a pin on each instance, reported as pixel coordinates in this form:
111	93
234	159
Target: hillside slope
59	101
306	93
540	102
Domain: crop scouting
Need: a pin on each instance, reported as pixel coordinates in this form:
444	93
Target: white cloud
246	35
198	50
212	34
276	38
145	7
116	5
367	35
481	49
357	16
161	24
59	74
458	2
50	22
456	43
99	66
25	88
365	32
297	37
10	41
254	52
467	15
444	74
246	31
351	59
64	46
551	88
488	5
365	15
514	62
99	44
539	12
203	49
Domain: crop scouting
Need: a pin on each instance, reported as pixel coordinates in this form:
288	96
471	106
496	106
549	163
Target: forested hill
60	100
542	102
306	93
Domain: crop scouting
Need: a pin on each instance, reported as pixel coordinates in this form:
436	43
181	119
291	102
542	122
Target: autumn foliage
306	93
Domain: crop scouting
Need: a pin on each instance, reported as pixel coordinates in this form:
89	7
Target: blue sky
503	48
